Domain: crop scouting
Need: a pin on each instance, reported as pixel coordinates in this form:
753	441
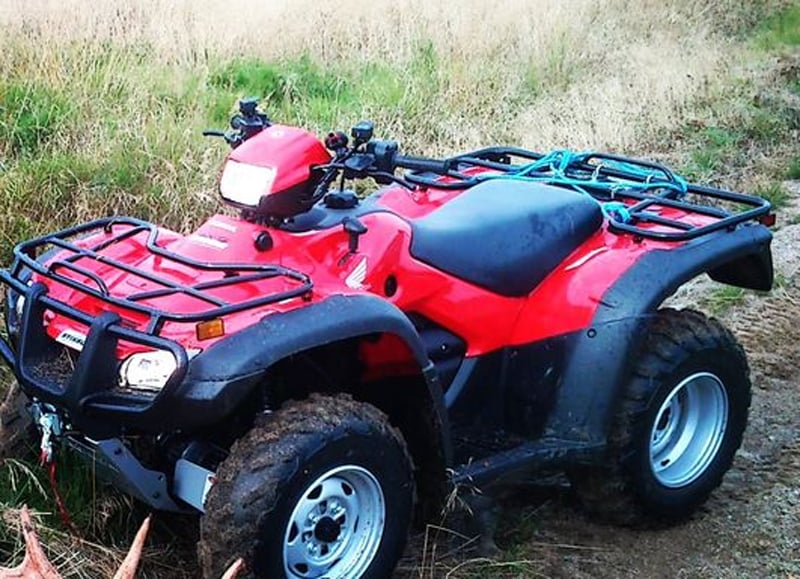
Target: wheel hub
336	526
688	430
327	530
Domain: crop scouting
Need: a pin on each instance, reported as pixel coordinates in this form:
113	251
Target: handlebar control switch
249	106
385	153
249	122
336	141
362	132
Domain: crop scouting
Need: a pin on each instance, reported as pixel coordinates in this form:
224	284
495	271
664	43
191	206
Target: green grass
746	121
714	146
724	298
780	30
793	170
31	113
775	193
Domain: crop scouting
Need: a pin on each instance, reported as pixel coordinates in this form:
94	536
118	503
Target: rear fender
600	358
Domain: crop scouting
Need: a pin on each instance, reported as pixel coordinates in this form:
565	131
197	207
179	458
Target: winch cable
50	463
554	167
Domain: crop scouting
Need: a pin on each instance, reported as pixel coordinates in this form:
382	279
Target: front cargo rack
69	254
638	189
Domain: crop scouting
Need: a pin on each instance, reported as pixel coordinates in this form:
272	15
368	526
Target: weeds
775	193
30	114
724	298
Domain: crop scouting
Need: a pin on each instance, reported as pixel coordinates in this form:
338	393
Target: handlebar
422	164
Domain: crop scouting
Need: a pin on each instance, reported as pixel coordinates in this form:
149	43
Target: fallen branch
35	565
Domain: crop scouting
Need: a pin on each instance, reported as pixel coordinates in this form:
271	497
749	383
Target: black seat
505	235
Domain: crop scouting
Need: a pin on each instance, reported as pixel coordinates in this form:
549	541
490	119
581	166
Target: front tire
322	488
678	425
17	429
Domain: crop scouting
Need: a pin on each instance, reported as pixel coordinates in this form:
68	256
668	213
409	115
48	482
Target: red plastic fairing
564	302
289	150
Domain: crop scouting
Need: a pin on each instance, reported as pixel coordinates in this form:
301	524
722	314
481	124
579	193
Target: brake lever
394	179
233	138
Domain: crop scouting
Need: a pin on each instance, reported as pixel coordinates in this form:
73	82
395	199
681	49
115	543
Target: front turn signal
210	329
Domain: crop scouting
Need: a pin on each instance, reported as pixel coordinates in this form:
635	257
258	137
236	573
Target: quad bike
313	372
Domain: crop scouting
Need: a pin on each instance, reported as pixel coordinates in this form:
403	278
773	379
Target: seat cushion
505	235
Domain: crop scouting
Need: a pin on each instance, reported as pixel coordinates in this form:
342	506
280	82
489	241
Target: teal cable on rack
553	169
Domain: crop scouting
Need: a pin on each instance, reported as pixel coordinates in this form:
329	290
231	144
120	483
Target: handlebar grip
422	164
213	133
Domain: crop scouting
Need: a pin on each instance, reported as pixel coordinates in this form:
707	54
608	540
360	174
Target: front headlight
19	307
148	370
245	184
15	303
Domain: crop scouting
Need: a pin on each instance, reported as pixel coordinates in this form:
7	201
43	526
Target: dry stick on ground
36	566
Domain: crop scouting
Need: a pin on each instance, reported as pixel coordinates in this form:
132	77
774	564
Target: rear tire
321	488
678	426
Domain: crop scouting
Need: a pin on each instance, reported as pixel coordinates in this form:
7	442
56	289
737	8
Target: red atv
305	373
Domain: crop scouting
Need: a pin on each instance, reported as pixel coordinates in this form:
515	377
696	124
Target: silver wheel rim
688	430
336	527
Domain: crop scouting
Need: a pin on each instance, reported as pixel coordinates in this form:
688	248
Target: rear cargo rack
70	255
640	190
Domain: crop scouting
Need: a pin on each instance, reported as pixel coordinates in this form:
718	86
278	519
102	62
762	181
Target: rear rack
232	273
642	186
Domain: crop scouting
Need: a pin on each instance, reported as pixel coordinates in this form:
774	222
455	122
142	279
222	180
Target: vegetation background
102	104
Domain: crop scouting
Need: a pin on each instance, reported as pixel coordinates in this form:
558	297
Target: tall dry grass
601	74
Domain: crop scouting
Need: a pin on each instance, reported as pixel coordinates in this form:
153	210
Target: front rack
592	170
63	242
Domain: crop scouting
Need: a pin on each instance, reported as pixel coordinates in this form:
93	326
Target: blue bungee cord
552	169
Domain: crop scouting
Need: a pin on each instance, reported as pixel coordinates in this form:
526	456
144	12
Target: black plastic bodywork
220	377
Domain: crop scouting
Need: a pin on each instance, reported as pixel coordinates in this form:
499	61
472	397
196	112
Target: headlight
148	370
15	303
19	306
245	184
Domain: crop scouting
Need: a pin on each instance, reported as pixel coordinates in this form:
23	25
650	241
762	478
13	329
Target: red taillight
767	220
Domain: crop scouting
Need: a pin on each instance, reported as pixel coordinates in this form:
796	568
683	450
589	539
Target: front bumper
85	388
115	464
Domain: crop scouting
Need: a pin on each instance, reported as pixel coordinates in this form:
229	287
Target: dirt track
751	525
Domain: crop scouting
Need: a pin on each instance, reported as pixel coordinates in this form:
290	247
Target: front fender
277	336
221	377
601	356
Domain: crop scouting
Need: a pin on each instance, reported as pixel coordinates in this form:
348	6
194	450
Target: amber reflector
210	329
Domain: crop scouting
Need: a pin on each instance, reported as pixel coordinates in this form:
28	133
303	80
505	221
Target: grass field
101	110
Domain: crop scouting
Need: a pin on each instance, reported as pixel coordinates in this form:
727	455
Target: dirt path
751	525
